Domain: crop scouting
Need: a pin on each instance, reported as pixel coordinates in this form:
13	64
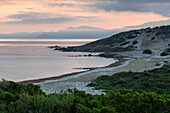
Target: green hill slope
149	38
156	80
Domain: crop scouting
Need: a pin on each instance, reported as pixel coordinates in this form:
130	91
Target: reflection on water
43	42
32	59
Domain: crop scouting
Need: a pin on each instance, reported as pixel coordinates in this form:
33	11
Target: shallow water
31	59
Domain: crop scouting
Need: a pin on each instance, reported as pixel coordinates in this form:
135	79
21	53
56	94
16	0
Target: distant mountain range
71	32
20	35
80	32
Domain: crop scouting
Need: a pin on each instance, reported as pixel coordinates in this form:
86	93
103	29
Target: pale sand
80	81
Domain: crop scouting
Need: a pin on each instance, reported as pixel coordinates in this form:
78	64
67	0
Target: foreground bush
122	101
147	51
16	98
164	54
115	101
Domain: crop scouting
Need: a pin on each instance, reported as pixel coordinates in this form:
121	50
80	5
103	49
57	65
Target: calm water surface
31	59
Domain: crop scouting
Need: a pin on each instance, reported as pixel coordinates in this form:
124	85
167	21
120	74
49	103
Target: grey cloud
25	15
39	21
29	8
43	18
61	4
150	24
157	6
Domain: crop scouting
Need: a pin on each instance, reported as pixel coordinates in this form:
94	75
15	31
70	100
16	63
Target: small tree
164	54
147	51
135	42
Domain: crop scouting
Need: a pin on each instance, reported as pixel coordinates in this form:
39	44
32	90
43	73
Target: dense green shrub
115	101
122	101
41	104
147	51
17	98
156	80
15	88
167	50
164	54
135	42
131	36
153	38
129	101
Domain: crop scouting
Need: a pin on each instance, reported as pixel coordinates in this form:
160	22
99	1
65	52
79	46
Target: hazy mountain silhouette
71	32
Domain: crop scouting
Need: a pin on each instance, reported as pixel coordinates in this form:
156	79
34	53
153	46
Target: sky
54	15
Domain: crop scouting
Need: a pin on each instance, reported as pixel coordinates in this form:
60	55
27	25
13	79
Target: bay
31	59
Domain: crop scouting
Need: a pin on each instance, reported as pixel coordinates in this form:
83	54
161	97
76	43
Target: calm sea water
31	59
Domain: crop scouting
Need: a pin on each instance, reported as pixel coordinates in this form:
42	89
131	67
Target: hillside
157	38
156	80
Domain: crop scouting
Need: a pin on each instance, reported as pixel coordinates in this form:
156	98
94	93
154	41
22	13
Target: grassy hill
156	80
148	38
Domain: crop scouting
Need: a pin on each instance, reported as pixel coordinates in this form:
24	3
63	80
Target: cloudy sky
54	15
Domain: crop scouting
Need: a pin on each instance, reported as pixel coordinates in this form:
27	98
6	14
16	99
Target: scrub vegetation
126	92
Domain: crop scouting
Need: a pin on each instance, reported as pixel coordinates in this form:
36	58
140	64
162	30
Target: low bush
156	80
135	42
164	54
147	51
167	50
127	92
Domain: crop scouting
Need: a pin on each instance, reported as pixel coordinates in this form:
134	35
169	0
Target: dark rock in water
59	48
110	55
90	55
55	47
75	55
51	47
88	68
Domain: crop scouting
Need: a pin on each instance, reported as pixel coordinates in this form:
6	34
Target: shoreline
115	64
82	79
49	78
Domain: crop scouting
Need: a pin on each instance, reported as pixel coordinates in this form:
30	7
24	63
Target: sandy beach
134	61
80	80
117	63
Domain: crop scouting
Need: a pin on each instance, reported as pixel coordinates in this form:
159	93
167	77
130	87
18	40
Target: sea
27	59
